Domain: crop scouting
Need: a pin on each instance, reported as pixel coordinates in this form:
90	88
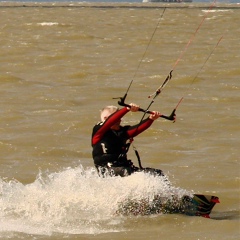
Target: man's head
107	111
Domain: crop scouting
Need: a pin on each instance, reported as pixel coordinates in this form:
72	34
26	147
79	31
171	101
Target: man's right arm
103	127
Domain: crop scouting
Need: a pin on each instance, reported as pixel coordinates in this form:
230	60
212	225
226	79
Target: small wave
48	24
217	10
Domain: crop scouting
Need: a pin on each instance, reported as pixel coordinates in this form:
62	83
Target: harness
125	150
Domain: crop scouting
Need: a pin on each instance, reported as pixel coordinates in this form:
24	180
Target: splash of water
74	201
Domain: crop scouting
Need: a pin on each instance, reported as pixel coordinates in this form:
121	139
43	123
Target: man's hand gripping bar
171	117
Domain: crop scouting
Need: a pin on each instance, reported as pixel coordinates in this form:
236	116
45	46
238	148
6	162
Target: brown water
60	65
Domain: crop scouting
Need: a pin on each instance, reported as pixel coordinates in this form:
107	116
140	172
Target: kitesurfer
110	141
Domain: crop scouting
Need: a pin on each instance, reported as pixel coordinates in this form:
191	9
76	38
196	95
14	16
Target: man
110	141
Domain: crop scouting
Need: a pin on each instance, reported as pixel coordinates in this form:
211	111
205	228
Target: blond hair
107	111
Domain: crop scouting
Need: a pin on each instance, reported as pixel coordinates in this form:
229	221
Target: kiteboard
199	205
195	205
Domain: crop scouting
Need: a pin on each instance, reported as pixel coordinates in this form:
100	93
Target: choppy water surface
60	64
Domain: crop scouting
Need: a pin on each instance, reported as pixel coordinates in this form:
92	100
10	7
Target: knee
120	171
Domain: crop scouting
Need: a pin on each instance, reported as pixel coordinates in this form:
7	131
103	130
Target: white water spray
74	201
